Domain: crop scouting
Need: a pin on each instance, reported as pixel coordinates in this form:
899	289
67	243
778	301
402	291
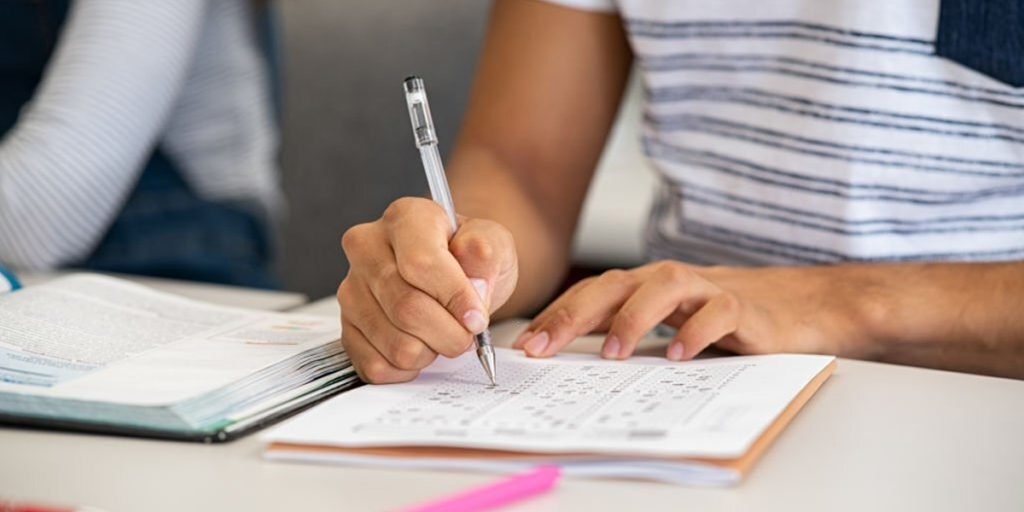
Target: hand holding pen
426	141
420	285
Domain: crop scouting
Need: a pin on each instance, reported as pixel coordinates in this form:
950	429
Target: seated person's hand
412	294
744	310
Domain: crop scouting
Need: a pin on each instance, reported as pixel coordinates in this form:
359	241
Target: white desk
216	293
876	437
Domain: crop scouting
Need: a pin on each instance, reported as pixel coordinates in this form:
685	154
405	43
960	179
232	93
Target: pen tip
487	360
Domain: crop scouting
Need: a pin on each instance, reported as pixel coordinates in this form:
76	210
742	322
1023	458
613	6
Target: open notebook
703	422
95	353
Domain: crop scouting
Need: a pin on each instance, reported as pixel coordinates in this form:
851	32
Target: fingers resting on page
415	291
629	303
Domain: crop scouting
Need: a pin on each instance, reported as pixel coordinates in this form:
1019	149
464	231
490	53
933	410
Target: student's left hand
745	310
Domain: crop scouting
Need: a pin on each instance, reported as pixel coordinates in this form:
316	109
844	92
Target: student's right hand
412	294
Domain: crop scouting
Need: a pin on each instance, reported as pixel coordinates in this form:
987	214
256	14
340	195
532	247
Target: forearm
960	316
538	117
485	187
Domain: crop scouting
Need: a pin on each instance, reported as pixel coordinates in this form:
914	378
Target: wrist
900	308
843	310
875	310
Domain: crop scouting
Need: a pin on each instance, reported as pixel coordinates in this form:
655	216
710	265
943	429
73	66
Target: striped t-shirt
809	131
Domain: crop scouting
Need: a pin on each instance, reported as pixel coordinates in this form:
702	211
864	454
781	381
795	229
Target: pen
426	141
498	494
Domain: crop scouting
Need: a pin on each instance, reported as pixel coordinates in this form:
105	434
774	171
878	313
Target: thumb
483	289
486	252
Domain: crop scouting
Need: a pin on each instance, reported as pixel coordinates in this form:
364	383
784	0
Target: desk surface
875	437
218	294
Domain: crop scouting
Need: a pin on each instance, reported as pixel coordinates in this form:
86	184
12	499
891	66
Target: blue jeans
984	35
165	230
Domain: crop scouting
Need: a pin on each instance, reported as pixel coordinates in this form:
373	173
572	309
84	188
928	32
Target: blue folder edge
8	276
220	435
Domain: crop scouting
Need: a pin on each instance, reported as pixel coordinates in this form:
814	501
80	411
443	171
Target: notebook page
571	403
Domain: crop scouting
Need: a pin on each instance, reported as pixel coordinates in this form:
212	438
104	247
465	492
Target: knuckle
653	265
564	318
408	354
474	247
731	303
674	273
664	263
627	321
355	238
400	207
415	264
406	311
344	292
567	318
615	276
415	209
375	371
579	285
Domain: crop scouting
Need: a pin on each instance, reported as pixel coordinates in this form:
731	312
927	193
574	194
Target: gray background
347	147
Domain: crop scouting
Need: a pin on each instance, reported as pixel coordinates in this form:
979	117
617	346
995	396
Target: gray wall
347	146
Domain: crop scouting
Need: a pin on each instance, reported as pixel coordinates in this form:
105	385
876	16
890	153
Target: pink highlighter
503	492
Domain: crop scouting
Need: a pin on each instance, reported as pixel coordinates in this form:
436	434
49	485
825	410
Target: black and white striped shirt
129	75
808	131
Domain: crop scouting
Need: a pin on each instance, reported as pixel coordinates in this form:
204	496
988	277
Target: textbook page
571	403
93	337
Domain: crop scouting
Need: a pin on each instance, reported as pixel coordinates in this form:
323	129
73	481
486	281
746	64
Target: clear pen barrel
438	186
426	140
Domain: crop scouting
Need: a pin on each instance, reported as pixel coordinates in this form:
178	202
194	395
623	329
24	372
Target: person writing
833	181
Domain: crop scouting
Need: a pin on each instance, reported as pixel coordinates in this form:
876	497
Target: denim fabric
164	229
28	33
984	35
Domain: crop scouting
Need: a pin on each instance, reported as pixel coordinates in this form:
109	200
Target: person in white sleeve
137	137
839	177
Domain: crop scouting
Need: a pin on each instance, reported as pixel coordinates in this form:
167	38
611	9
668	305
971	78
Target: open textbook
700	422
102	354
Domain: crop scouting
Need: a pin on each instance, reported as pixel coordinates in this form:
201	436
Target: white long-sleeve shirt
126	76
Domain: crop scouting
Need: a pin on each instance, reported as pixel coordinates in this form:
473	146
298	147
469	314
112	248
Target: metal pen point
485	351
426	141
